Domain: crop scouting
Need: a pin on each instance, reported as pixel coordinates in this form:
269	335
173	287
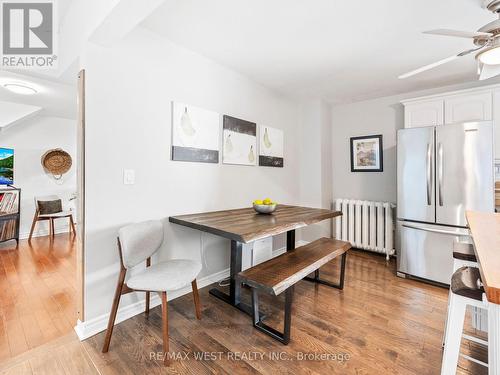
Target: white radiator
366	225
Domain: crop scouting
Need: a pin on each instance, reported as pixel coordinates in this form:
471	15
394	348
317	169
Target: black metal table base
319	280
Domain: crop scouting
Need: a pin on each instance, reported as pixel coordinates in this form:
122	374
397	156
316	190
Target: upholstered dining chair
136	244
49	208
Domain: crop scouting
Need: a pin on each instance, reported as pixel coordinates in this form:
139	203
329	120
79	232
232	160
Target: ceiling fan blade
428	67
458	33
437	63
489	71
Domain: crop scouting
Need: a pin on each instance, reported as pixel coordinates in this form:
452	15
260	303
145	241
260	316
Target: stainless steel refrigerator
442	171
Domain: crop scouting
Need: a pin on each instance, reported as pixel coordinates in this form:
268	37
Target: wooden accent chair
49	208
136	244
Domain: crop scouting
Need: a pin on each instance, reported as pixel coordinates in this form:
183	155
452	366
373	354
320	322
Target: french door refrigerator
442	171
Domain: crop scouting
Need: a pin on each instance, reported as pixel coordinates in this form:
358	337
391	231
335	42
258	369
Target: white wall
315	162
379	116
128	93
31	139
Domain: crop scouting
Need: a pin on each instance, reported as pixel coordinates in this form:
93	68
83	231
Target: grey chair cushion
139	241
56	215
166	276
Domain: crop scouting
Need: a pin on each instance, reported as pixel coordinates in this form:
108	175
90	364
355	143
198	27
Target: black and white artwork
195	134
239	141
270	147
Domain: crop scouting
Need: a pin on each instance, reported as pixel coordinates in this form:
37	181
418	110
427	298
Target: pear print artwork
251	156
271	147
229	145
186	124
267	142
195	134
239	141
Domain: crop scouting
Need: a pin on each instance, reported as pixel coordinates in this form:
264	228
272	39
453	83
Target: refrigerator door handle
429	173
440	173
434	230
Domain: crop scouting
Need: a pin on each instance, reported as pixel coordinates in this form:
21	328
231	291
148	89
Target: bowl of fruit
265	206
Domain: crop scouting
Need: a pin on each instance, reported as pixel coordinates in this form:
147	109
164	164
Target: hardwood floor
37	293
386	325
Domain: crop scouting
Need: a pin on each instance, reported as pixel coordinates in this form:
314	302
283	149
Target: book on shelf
9	202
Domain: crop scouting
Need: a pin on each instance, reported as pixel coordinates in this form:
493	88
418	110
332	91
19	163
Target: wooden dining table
244	225
485	231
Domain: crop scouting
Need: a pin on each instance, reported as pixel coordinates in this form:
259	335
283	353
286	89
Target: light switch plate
128	176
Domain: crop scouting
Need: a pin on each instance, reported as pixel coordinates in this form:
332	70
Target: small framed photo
367	154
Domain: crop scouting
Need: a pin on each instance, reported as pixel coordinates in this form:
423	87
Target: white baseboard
91	327
44	232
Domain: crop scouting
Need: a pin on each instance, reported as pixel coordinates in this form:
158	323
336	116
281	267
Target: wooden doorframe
80	244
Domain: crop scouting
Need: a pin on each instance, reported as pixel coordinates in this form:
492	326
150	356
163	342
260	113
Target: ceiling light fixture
19	88
490	56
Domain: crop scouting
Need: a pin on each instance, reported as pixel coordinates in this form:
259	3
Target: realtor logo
28	34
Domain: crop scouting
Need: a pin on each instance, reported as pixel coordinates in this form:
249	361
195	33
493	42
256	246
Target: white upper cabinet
468	107
482	104
424	113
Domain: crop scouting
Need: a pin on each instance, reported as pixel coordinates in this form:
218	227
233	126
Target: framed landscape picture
367	154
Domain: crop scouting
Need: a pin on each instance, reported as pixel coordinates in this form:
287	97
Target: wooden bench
280	274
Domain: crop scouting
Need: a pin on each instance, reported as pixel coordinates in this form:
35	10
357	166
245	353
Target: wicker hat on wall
56	162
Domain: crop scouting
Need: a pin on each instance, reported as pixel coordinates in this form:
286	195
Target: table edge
246	238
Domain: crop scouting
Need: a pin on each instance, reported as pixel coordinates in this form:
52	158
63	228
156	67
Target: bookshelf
10	213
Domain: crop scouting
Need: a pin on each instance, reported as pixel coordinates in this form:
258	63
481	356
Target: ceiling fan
487	46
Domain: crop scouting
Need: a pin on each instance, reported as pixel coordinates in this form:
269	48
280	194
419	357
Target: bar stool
463	256
466	290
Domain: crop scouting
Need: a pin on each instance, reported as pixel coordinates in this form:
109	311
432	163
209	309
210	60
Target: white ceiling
341	50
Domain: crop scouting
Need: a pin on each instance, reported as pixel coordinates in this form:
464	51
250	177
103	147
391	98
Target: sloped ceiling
13	113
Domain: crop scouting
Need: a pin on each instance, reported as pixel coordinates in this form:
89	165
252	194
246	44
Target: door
80	171
426	113
468	107
415	177
464	171
426	250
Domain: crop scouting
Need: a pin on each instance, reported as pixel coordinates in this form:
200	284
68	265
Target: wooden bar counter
485	231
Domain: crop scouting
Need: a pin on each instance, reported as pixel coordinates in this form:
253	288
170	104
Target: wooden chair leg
35	219
114	310
72	224
164	316
51	228
196	298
